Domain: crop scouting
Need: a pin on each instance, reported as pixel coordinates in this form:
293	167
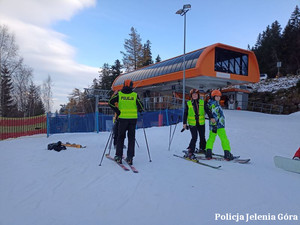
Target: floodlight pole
97	114
183	80
183	12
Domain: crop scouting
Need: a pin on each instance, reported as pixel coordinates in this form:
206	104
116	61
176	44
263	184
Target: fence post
167	116
69	121
48	124
97	121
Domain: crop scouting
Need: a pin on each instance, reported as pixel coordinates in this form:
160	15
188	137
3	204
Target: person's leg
115	133
192	145
224	140
225	144
210	144
131	138
123	124
202	144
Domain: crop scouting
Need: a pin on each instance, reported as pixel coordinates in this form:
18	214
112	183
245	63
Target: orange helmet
193	90
128	83
216	93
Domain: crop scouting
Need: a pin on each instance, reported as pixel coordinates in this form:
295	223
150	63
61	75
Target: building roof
216	64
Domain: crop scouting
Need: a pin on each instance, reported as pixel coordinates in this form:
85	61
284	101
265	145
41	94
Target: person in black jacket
128	106
194	116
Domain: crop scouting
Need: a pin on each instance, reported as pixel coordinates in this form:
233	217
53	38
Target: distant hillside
283	91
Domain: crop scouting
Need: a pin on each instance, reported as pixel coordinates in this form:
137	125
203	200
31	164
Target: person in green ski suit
217	128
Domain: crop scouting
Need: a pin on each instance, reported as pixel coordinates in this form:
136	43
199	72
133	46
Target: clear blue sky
70	39
99	32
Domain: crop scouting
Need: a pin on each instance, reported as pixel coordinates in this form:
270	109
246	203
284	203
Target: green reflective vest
127	105
191	113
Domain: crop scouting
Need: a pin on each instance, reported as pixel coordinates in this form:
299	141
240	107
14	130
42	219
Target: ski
67	144
197	153
236	160
197	161
220	158
235	156
131	166
121	165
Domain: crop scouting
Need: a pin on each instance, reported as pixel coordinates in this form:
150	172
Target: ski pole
170	132
174	130
110	143
146	141
109	138
137	143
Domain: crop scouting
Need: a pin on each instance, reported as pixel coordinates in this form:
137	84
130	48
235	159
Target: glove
141	112
214	129
186	128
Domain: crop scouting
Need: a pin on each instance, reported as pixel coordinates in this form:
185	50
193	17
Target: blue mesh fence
160	118
62	123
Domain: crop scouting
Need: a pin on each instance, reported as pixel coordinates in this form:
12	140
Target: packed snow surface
41	187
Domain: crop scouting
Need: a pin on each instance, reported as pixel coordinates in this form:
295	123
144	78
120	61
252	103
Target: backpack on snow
56	146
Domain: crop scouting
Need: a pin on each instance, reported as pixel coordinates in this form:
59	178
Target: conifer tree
8	107
157	59
291	43
105	77
147	54
268	49
133	51
34	105
116	70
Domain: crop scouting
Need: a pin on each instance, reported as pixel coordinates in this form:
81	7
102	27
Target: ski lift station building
211	67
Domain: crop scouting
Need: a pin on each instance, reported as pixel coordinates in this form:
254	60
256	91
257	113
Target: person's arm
185	114
139	104
114	99
207	111
213	121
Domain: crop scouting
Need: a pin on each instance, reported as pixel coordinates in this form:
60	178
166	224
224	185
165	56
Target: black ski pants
115	132
129	126
194	132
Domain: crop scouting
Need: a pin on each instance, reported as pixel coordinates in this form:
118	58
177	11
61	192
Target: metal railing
161	103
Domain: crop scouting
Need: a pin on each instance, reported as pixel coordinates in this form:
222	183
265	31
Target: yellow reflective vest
191	113
127	105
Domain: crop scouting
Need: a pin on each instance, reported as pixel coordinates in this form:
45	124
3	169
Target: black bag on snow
56	146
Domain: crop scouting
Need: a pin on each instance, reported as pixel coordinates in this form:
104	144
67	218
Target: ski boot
227	155
200	151
118	159
190	155
208	154
129	160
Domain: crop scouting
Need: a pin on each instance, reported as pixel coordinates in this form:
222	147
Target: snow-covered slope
44	187
275	84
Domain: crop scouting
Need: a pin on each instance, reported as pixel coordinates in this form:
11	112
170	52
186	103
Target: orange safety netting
17	127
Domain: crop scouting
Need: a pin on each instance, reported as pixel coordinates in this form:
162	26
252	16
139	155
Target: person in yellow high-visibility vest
127	113
194	116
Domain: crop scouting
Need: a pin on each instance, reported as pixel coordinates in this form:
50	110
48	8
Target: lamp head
180	11
187	6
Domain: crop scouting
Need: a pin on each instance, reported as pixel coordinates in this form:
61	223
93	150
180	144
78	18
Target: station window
228	61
